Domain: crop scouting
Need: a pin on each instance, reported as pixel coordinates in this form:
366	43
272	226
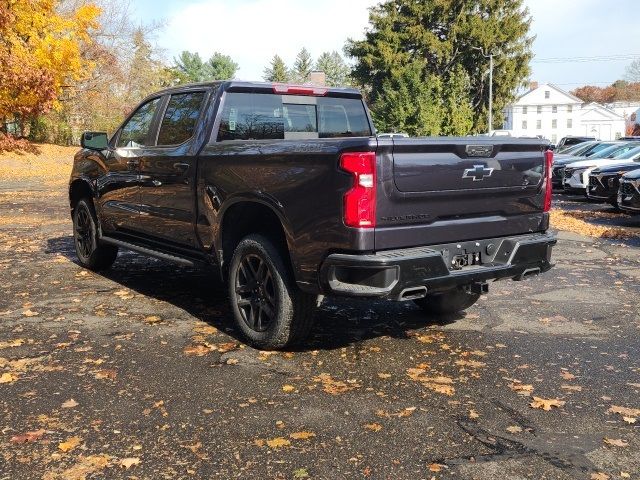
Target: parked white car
576	174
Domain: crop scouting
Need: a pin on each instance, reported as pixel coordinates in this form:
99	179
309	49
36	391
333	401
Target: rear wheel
90	252
451	301
268	307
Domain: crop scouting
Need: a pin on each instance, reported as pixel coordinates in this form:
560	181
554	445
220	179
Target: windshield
630	153
611	151
579	149
597	149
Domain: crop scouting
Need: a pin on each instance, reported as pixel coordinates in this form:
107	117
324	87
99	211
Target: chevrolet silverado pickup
289	194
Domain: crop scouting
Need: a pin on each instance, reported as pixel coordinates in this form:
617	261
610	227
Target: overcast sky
252	31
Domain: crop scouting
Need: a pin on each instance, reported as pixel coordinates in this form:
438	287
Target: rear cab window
265	116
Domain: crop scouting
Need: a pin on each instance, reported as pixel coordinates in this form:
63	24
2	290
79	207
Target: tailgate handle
482	151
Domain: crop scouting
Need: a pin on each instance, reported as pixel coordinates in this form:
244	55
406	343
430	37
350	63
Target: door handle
182	167
156	183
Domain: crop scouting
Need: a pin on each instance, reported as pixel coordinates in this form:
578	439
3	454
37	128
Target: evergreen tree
303	66
447	37
277	71
335	68
220	67
190	66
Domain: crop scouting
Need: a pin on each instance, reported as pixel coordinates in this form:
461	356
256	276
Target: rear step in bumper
411	273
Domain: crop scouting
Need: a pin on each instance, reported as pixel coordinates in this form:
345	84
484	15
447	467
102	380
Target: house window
524	124
554	138
547	94
524	110
554	123
554	109
539	124
539	109
569	108
569	123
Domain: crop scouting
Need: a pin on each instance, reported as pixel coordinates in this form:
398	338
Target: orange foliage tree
40	51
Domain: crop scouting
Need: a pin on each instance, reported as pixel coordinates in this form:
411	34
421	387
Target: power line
596	58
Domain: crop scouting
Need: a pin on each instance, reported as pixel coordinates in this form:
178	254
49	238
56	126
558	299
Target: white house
548	111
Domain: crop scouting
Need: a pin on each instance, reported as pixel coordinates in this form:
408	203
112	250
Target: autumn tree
40	53
277	71
303	66
335	68
619	91
446	38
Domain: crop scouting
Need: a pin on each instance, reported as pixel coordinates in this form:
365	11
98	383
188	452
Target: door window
135	132
180	118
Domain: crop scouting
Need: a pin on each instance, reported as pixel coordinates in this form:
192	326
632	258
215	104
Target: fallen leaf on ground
106	374
152	319
81	470
616	442
71	403
384	375
630	420
374	427
566	375
127	463
30	313
302	435
278	442
226	347
521	389
514	429
8	377
470	363
12	343
572	388
625	411
473	414
28	437
599	476
198	350
334	387
288	388
435	467
70	444
546	403
300	473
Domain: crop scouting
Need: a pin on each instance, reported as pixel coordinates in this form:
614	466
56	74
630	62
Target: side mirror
94	140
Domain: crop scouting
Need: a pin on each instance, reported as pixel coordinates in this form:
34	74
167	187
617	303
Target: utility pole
490	92
490	57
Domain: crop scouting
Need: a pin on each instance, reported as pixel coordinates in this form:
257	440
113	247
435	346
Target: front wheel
268	307
90	252
451	301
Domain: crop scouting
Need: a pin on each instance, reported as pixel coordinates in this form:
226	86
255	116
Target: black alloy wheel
256	296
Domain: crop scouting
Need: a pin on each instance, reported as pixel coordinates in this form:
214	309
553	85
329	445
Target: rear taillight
548	156
360	200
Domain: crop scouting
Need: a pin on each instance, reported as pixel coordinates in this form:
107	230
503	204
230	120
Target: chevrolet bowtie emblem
477	173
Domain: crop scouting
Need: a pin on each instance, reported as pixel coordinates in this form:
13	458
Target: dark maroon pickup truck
288	191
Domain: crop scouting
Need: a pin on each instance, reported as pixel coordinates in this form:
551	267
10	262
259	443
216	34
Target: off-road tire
449	302
261	283
91	253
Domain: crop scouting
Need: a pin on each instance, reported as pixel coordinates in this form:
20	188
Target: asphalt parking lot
137	373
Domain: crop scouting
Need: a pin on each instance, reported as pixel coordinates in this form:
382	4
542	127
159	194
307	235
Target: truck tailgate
436	190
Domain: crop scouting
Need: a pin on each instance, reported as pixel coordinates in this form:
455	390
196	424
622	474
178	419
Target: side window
135	132
249	116
180	118
342	117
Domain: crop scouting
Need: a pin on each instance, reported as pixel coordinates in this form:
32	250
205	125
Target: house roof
570	96
600	110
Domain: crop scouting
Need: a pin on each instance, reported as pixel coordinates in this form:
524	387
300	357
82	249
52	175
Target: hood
632	175
565	160
617	167
597	162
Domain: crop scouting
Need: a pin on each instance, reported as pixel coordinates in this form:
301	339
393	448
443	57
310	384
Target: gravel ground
137	373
